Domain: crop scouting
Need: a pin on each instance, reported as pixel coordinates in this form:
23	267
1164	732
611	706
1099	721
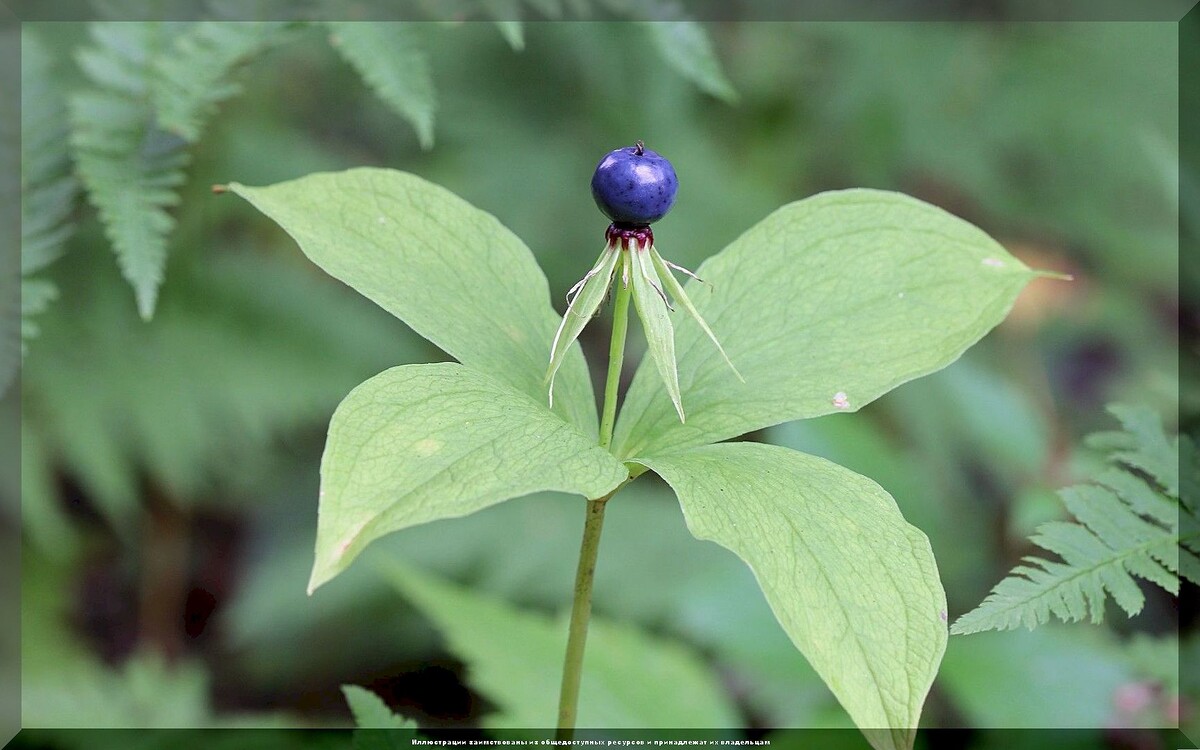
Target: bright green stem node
581	607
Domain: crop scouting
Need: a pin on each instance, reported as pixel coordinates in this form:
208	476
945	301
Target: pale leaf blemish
349	540
942	616
514	333
840	400
993	262
427	447
381	220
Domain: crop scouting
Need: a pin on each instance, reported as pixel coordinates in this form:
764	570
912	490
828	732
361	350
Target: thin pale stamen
579	284
683	271
661	293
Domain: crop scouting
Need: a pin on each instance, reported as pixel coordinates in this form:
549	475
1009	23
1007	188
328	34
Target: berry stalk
589	550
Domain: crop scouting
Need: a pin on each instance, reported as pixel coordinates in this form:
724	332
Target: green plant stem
581	607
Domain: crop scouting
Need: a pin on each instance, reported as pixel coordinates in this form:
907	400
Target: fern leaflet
48	189
1130	522
130	166
192	78
389	57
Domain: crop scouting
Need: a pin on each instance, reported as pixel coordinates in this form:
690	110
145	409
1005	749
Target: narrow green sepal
580	309
651	303
676	290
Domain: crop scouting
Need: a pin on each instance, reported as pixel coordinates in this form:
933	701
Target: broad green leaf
630	679
853	585
823	306
389	56
685	47
450	271
421	442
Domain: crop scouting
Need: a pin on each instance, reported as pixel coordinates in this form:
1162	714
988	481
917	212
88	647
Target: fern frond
1129	524
192	78
1143	445
506	14
11	343
390	58
129	166
48	190
243	347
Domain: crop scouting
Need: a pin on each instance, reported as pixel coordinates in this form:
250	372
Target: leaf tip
147	297
1048	274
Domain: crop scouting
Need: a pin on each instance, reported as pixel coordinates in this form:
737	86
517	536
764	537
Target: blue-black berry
634	186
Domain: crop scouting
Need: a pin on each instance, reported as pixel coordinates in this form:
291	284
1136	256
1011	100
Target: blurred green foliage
208	420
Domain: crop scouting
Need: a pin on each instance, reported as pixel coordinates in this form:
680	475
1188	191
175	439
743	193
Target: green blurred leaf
645	540
243	347
630	679
422	442
450	271
370	712
823	306
506	14
513	32
145	692
686	48
1049	677
42	519
64	685
1015	125
1156	657
854	586
389	56
379	728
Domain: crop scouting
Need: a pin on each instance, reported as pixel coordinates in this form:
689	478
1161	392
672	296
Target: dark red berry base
624	235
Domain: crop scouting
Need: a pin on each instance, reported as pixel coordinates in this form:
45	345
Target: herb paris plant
634	187
824	305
